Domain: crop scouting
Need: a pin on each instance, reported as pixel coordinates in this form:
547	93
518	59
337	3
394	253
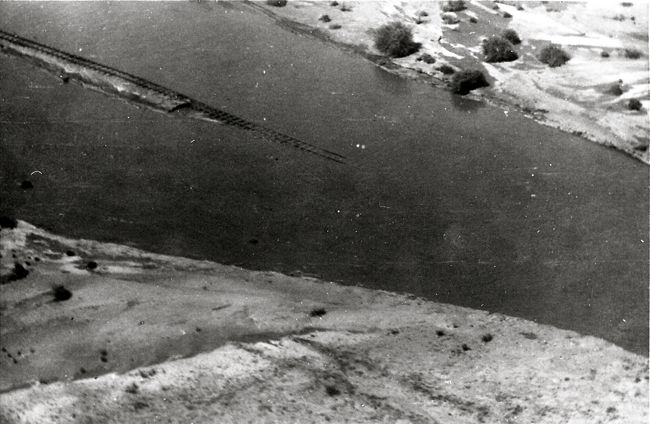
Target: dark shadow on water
464	104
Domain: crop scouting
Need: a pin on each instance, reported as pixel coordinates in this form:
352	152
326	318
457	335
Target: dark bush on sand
395	39
465	81
277	3
512	36
604	54
634	104
632	53
553	56
453	6
498	49
446	69
615	89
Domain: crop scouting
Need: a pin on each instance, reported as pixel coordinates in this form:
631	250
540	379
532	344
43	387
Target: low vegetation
446	69
449	19
615	89
634	104
325	18
426	58
553	56
499	49
512	36
465	81
453	6
473	20
604	54
277	3
507	15
396	40
632	53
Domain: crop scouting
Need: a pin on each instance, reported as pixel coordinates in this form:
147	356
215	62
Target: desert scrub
512	36
615	89
465	81
453	6
507	15
473	20
604	54
335	26
395	39
498	49
446	69
632	53
449	19
553	56
426	58
634	104
277	3
325	18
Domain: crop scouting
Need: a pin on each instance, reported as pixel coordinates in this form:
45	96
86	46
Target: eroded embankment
144	337
134	89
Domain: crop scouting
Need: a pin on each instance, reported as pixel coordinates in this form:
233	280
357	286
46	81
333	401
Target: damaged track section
138	90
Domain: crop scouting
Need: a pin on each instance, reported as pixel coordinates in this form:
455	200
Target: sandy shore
146	338
573	97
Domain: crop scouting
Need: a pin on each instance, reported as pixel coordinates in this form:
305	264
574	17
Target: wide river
442	197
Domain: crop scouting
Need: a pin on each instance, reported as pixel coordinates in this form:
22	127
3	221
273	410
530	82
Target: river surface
442	197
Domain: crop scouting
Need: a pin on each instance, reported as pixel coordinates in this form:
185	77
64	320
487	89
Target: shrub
553	56
60	293
449	19
325	18
507	15
453	6
395	39
334	3
8	222
634	104
345	8
632	53
335	26
473	20
422	13
277	3
626	4
426	58
446	69
512	36
614	89
604	54
495	7
498	49
465	81
520	7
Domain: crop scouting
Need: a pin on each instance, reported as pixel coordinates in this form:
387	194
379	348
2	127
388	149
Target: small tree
465	81
453	6
553	56
632	53
498	49
512	36
395	39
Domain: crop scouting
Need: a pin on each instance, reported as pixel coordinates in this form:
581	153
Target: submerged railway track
134	89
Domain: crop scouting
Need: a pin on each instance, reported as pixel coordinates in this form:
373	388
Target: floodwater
442	197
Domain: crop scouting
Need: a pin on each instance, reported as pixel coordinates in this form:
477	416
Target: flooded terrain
441	197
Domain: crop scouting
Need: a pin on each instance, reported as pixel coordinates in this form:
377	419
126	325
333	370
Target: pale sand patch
166	339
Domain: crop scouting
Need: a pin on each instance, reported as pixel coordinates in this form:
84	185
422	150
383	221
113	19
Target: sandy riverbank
573	97
149	337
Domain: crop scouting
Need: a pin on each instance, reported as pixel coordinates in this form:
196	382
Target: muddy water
443	198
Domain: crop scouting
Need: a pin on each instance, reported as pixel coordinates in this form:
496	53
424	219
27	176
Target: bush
632	53
334	3
520	7
446	69
449	19
325	18
614	89
453	6
473	20
626	4
512	36
395	39
634	104
553	56
345	8
426	58
498	49
507	15
604	54
495	7
465	81
277	3
335	26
